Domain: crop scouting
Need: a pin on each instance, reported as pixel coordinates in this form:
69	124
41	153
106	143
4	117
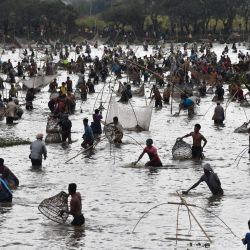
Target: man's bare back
76	204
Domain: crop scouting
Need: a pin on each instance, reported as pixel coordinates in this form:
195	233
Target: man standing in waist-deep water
75	206
197	138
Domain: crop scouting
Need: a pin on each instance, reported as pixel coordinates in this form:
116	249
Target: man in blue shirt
246	240
186	103
88	137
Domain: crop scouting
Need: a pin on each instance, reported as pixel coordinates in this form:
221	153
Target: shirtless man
197	138
75	206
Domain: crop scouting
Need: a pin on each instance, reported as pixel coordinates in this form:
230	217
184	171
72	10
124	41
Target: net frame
52	207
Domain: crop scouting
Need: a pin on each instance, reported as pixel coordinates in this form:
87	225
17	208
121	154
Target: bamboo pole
165	203
85	150
187	206
177	223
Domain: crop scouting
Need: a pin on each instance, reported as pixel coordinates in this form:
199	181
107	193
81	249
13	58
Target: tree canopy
57	17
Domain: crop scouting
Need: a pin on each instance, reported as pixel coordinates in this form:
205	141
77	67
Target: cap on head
149	141
39	136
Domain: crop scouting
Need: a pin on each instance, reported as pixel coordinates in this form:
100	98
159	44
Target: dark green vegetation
9	142
170	18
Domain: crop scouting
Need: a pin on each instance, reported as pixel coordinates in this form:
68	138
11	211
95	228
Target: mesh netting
140	91
242	129
52	207
130	117
38	81
181	150
52	126
109	133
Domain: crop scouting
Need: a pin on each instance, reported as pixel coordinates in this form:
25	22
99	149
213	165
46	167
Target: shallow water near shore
115	194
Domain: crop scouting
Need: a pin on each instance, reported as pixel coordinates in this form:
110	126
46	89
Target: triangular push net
181	150
52	207
131	118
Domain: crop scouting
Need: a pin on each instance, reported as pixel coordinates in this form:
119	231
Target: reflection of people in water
211	179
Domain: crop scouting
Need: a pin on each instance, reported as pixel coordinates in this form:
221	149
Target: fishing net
38	81
53	138
181	150
140	91
245	103
242	129
52	207
131	118
52	125
109	133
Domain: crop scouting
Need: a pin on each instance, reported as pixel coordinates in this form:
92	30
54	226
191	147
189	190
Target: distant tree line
36	18
172	18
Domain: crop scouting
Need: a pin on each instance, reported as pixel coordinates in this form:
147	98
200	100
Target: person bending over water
197	138
75	206
152	154
211	179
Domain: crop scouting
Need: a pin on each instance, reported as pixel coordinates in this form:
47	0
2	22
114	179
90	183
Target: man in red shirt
152	154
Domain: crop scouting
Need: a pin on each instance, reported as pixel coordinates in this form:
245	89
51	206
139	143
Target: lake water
115	195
